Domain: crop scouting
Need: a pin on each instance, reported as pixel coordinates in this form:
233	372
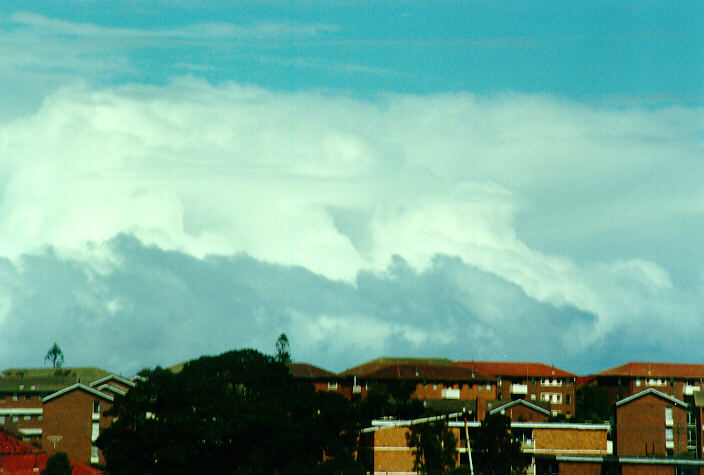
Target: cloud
514	202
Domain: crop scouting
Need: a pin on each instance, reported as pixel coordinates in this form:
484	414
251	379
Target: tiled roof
47	379
416	370
11	446
305	370
518	368
378	363
649	369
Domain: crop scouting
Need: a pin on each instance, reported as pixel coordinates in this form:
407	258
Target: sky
468	180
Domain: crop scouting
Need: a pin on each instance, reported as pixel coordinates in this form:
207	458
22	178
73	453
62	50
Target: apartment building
679	380
534	382
321	379
22	390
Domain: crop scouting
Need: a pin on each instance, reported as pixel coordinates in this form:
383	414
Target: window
435	386
28	418
668	416
2	419
532	381
28	396
93	454
332	386
488	387
14	397
498	396
498	383
668	434
568	399
480	387
96	431
637	381
532	397
96	405
15	418
555	398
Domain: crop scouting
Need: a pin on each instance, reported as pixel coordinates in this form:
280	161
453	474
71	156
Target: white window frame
332	386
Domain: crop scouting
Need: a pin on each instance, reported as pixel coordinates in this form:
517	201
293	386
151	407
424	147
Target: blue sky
472	180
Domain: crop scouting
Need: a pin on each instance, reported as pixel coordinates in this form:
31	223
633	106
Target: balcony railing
519	389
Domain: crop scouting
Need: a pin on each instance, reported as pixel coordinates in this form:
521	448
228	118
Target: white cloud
221	170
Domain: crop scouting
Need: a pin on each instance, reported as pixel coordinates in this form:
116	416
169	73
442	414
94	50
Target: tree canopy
55	356
494	451
434	445
240	412
283	349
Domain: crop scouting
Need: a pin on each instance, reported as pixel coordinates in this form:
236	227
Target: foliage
391	399
283	349
494	451
58	464
239	412
55	356
434	445
592	404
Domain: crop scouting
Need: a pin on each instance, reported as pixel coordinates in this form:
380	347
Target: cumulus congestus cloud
446	224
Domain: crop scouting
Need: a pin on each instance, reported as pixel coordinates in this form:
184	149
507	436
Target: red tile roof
308	371
649	369
511	368
21	458
410	369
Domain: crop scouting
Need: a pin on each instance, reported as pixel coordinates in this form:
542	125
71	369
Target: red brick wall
69	416
519	412
641	469
535	388
567	468
570	441
641	423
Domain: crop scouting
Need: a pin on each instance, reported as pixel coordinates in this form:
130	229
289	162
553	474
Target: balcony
519	389
450	393
356	389
690	390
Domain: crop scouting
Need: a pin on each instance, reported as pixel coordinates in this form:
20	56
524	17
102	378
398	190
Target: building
520	410
22	390
651	424
534	382
679	380
321	379
430	380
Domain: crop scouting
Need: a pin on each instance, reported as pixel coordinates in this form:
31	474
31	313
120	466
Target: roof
114	377
11	446
516	368
416	370
47	379
372	365
646	369
523	402
305	370
654	392
450	406
80	386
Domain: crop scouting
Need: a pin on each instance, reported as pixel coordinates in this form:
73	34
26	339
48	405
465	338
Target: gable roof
521	402
417	369
516	368
76	386
646	369
308	371
113	377
654	392
47	379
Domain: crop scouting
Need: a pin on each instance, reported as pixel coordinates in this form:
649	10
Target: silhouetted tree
592	404
239	412
435	447
58	464
55	356
494	450
283	349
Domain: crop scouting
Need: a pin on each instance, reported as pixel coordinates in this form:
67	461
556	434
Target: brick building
535	382
321	379
520	410
650	424
679	380
73	420
22	390
431	379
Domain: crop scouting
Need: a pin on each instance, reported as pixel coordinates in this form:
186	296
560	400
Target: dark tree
494	451
58	464
239	412
434	445
392	399
592	404
55	356
283	349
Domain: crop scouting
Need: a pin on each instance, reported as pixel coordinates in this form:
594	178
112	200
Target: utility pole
469	447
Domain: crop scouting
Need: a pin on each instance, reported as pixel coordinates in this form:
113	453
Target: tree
55	356
494	451
58	464
239	412
435	447
283	350
592	404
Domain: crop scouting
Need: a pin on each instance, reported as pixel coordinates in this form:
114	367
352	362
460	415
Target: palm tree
55	356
